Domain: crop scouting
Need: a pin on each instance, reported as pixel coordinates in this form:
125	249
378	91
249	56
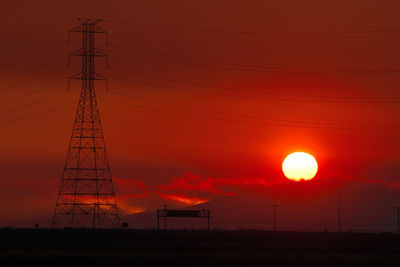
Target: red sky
164	158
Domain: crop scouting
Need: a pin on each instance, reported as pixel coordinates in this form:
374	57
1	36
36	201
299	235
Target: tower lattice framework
86	195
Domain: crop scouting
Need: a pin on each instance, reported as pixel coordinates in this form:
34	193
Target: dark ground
67	247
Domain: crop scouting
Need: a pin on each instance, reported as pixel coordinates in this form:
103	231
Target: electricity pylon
86	195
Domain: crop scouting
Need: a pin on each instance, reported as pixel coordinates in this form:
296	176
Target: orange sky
150	150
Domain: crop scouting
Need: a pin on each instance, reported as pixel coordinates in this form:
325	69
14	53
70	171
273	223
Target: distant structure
274	206
339	213
164	213
398	219
86	195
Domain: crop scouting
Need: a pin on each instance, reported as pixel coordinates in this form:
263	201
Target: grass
85	247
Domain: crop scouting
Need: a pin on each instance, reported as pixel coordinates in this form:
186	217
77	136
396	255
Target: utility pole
398	219
274	206
158	220
208	220
86	195
165	218
339	214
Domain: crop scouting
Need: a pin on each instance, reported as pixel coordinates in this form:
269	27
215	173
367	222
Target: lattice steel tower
86	196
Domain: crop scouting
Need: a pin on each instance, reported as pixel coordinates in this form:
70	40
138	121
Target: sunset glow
228	106
300	166
183	199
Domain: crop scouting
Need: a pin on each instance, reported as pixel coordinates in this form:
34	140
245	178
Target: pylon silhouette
86	195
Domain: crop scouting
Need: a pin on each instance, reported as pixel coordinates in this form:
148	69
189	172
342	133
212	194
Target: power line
237	121
36	114
31	93
258	97
33	69
295	70
274	71
31	80
32	56
31	103
271	34
256	117
271	92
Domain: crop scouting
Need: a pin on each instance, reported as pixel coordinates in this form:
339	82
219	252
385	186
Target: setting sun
300	166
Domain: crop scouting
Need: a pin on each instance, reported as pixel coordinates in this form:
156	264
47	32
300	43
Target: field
83	247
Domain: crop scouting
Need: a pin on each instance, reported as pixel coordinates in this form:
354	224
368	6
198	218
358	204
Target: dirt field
51	247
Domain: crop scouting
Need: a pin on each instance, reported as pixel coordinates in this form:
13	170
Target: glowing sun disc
300	166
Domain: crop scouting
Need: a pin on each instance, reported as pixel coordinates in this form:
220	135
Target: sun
300	166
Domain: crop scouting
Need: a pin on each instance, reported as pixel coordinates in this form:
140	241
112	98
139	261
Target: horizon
203	106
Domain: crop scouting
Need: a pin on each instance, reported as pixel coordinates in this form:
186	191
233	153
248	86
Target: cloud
135	196
194	183
190	182
193	189
390	185
129	188
183	199
127	208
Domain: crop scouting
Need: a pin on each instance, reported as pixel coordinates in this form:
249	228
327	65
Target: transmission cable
336	71
277	34
36	114
257	97
32	79
239	121
31	93
272	92
254	117
33	69
31	103
33	56
274	71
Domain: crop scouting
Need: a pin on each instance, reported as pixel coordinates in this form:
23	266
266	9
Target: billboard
183	213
